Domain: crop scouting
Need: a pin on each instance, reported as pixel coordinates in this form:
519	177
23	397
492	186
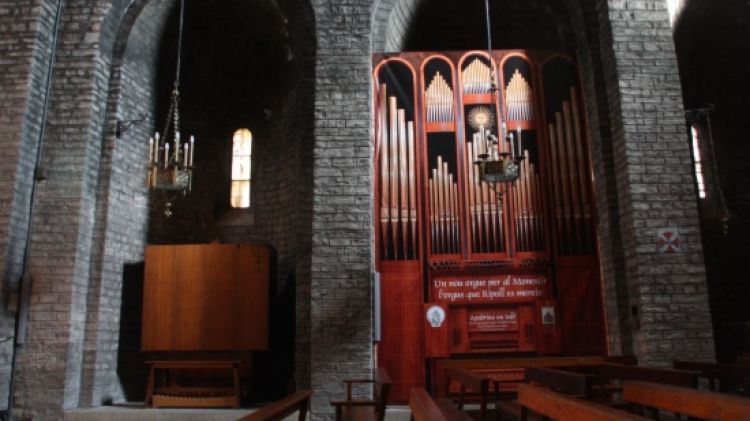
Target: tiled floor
136	412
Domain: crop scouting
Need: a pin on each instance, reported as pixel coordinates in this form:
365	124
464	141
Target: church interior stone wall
310	111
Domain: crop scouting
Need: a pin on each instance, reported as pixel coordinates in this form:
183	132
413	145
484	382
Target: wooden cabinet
206	297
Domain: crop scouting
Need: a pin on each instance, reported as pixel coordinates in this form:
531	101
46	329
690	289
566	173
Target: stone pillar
62	257
666	292
26	41
341	311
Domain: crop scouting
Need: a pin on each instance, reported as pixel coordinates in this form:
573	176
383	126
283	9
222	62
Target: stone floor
138	412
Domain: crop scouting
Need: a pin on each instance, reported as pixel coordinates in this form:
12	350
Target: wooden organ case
467	272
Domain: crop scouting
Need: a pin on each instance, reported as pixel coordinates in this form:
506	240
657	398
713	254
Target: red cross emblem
669	240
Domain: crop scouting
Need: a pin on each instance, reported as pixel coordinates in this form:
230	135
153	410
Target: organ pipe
398	195
443	209
439	100
519	98
476	78
485	210
572	198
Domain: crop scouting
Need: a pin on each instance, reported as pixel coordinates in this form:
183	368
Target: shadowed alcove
243	65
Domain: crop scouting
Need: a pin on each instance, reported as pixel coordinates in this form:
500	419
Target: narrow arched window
242	147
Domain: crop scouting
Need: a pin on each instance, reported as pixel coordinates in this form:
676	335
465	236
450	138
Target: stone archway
91	212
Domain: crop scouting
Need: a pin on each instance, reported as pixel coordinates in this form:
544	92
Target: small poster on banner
435	316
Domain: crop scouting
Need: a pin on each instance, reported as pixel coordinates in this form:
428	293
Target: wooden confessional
467	272
206	300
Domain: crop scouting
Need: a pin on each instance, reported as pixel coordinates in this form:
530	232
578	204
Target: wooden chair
365	410
424	408
727	378
474	382
281	409
685	401
559	407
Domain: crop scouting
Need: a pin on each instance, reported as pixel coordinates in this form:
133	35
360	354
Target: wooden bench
608	378
565	382
690	402
559	407
281	409
364	410
424	408
170	395
509	372
727	378
474	382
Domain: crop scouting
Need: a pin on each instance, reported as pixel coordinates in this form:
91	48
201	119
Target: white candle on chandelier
155	156
177	149
185	151
150	148
166	154
482	141
512	146
192	149
520	140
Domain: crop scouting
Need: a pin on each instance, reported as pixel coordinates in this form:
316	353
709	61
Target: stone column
26	41
49	372
667	292
341	311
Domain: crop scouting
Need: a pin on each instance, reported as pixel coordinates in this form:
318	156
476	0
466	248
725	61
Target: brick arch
293	149
391	19
92	211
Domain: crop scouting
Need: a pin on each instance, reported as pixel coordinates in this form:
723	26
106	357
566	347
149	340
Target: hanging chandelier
495	167
170	157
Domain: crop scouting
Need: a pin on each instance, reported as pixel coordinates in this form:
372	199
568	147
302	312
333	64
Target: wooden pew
423	408
477	383
565	382
509	372
559	407
365	410
609	378
281	409
569	383
693	403
728	378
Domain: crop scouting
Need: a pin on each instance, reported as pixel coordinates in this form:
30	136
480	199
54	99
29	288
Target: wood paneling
580	306
401	348
207	297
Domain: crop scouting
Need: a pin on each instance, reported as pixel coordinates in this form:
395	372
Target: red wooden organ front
468	268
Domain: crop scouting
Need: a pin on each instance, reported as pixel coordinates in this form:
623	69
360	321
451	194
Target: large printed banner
489	289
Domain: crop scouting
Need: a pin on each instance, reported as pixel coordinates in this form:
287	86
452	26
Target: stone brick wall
64	209
27	39
316	203
121	209
341	316
655	186
595	49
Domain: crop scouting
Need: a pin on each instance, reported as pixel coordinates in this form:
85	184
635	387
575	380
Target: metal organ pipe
412	187
572	197
385	209
398	197
585	196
